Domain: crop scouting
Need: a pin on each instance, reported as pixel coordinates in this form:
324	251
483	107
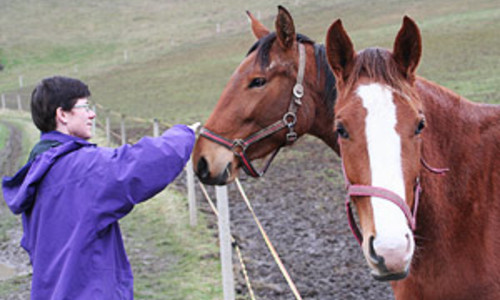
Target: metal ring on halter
298	90
290	115
239	143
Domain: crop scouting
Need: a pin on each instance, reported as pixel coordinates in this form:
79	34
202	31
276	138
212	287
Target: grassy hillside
178	64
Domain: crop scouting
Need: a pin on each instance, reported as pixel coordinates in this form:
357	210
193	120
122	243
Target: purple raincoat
71	198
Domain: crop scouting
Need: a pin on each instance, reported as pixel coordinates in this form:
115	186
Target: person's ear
61	116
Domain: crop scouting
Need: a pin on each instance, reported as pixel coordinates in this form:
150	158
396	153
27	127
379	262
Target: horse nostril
408	239
376	259
202	168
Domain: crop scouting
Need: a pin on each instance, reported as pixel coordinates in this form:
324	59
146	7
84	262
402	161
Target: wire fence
120	129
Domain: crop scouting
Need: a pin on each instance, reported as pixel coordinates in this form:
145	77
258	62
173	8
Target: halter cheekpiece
289	119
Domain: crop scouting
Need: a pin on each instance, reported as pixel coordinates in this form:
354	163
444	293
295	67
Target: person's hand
194	127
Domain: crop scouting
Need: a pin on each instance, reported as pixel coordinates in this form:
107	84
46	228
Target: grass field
177	65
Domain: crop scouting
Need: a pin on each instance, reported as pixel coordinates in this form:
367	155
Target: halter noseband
288	120
384	194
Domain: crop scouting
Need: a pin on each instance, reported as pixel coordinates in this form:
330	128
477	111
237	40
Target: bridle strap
372	191
288	120
439	171
385	194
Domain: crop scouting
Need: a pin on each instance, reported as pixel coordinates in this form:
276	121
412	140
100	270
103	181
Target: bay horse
283	89
392	125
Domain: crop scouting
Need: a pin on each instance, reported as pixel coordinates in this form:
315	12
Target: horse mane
263	48
377	64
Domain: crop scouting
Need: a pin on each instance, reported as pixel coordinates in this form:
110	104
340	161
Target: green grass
178	65
4	135
171	260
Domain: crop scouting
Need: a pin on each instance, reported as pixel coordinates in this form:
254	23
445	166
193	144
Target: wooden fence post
108	129
156	128
3	102
193	218
225	243
21	81
19	104
124	134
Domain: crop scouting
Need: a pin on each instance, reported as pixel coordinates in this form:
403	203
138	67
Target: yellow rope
269	244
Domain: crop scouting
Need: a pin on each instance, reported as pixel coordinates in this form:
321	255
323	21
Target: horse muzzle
389	261
202	170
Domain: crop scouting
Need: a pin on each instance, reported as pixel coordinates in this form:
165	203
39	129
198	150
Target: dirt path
14	261
300	204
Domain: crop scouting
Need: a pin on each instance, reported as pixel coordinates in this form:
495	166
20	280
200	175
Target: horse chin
390	276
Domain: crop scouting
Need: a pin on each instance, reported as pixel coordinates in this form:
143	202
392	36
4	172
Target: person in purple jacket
71	195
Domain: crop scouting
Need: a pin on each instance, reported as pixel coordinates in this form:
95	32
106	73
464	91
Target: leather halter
289	119
384	194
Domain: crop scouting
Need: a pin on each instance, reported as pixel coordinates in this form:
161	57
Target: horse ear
285	29
408	48
258	29
339	51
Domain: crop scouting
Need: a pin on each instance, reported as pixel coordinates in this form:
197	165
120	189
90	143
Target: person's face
79	119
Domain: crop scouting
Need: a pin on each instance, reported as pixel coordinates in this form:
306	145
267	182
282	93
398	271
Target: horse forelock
378	65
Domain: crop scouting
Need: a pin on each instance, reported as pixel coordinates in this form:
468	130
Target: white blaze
384	151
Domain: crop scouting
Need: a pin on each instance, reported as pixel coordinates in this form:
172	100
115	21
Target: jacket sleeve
135	173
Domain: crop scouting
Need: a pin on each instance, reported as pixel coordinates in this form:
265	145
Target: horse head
379	119
267	103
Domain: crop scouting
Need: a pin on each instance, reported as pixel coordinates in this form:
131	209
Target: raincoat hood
19	191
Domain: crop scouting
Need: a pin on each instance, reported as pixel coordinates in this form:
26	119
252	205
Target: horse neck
464	137
320	84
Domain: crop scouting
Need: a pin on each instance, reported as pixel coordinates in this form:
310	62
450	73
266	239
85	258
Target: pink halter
373	191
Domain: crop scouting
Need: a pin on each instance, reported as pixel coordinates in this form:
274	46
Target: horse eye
257	82
420	126
341	131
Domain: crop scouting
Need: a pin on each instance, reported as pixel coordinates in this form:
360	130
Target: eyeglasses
86	106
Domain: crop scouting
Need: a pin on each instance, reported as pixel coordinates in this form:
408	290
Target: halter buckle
291	137
298	90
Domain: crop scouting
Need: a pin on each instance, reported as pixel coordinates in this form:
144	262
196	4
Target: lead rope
273	251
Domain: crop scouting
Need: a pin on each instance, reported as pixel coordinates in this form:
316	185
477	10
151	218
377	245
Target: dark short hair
51	93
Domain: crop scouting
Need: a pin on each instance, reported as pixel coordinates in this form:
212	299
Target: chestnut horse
283	89
451	248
